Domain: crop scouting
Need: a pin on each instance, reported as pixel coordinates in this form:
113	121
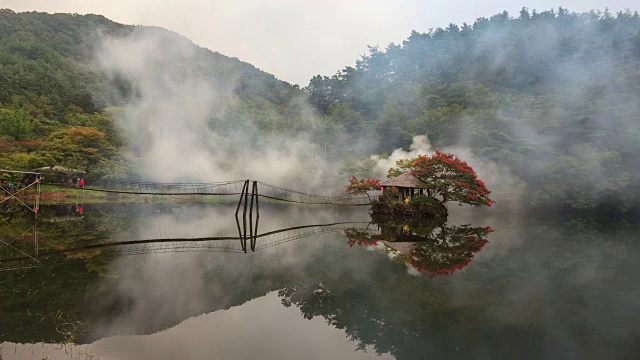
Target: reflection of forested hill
550	293
548	298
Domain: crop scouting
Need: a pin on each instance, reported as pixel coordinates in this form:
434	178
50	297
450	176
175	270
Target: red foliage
451	178
361	238
362	186
28	144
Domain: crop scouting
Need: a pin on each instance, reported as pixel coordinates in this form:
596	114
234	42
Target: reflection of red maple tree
361	238
450	250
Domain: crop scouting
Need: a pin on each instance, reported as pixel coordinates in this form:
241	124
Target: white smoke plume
420	145
506	188
172	119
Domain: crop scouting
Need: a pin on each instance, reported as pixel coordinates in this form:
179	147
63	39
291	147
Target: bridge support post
244	213
241	236
254	231
36	204
245	188
248	204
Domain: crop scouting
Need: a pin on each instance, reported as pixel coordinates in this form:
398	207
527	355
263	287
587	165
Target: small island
420	188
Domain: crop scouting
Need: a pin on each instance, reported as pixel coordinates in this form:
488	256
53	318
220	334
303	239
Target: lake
175	280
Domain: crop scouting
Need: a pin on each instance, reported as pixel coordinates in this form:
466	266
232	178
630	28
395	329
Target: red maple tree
362	186
448	177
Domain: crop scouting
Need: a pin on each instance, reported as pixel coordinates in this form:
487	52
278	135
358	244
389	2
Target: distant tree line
553	95
57	107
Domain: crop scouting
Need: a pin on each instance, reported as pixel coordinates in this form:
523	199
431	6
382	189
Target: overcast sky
297	39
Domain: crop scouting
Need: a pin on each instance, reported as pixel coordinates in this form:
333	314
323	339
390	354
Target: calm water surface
322	283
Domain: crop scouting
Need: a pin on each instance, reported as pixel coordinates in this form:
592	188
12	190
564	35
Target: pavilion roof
58	169
405	180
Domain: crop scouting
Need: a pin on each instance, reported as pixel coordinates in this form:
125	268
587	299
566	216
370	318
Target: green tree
15	123
80	147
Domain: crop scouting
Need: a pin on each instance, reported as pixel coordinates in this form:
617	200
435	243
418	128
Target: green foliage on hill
58	104
553	96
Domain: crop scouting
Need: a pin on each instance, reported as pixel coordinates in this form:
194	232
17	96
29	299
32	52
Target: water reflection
535	290
226	244
427	247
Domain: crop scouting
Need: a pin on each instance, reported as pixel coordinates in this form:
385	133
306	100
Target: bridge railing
154	188
234	187
284	194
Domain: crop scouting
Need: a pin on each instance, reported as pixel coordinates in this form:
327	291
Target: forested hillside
58	104
554	96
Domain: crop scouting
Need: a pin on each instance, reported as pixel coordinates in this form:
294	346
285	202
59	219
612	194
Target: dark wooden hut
57	174
407	185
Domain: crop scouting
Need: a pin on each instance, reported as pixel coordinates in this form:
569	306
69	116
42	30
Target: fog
177	124
296	40
178	120
185	124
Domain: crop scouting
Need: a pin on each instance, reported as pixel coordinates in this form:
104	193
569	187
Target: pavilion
406	184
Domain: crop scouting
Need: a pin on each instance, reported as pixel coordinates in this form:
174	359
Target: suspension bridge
249	191
227	188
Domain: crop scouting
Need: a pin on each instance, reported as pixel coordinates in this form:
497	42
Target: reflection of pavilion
399	233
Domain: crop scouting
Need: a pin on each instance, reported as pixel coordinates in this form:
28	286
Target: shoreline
60	195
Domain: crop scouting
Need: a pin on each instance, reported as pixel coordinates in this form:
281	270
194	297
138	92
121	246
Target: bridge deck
227	188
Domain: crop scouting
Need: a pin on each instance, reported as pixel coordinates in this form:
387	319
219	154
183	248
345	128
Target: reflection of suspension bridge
225	244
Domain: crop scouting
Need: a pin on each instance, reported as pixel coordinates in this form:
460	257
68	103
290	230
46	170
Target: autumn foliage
362	186
361	238
440	251
448	177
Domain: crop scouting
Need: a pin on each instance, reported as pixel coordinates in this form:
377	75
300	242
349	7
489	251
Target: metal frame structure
12	194
8	194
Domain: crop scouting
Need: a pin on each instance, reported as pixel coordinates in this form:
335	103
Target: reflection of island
428	247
